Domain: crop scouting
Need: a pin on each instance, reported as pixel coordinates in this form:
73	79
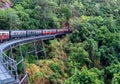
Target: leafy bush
84	77
54	78
56	68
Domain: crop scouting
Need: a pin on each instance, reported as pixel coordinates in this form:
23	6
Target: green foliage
78	55
31	59
116	78
51	55
111	71
100	35
65	12
54	78
56	68
94	43
84	77
39	74
9	19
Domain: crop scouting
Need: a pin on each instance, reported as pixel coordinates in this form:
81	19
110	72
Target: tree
116	78
84	77
112	73
78	56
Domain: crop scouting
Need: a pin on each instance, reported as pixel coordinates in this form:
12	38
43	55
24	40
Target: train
6	35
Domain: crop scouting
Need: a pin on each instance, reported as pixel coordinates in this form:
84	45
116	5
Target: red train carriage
54	31
4	35
49	31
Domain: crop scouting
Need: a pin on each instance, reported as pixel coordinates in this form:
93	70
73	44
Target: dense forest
90	55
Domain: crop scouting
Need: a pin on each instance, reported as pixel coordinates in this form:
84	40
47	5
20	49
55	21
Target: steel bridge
9	65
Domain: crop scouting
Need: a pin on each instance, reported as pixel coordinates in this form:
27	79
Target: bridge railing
10	65
24	80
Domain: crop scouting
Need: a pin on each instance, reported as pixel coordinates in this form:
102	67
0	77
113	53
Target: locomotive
13	34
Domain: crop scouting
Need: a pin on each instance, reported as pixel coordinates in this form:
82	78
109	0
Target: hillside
90	55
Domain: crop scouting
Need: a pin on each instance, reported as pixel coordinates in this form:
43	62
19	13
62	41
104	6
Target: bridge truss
9	73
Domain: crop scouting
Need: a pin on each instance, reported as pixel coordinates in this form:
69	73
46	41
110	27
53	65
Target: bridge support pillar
38	48
11	52
35	49
22	59
43	48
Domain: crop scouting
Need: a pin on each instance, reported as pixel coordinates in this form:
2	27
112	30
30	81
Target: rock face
4	4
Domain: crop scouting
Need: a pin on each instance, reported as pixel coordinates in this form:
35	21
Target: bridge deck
4	75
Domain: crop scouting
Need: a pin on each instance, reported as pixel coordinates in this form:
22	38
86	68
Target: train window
15	33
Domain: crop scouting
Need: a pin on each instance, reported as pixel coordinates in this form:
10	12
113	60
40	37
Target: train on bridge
13	34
